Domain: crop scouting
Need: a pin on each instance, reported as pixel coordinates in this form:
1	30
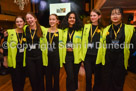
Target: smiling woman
72	35
115	59
117	16
54	35
14	58
91	38
71	20
35	59
33	23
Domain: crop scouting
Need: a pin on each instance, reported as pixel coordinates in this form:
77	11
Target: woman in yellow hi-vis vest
54	36
36	52
90	44
71	48
114	52
14	55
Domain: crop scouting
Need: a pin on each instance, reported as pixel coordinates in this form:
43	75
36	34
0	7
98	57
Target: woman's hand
5	34
82	64
1	50
5	63
69	49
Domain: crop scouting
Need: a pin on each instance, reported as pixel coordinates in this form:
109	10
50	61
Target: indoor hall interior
9	9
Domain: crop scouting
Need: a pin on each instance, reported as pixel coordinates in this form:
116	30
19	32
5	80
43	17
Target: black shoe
4	71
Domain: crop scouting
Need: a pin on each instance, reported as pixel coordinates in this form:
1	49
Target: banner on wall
61	9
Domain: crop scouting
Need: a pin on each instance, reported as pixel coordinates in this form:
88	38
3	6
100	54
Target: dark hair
120	10
20	17
117	8
98	12
78	23
39	32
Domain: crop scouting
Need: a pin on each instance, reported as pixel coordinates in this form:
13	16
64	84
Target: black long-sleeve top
120	38
111	38
95	42
19	46
5	50
1	37
70	30
54	44
36	42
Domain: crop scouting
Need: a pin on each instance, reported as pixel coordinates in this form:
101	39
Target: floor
5	82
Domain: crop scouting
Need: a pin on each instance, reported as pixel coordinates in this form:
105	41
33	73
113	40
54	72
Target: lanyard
92	34
70	35
20	40
54	34
115	33
32	36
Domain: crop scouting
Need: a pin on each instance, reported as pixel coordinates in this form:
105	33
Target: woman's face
20	22
30	20
71	19
53	21
94	17
116	16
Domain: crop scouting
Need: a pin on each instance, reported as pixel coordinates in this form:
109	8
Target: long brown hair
39	32
19	17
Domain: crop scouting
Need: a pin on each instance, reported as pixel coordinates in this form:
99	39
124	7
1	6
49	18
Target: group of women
48	49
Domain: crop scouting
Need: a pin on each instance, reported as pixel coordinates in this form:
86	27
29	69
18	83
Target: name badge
50	49
115	41
69	45
90	45
33	46
21	50
115	44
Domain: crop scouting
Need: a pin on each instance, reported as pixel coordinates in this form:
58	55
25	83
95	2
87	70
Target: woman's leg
88	71
34	67
76	71
70	83
56	71
18	79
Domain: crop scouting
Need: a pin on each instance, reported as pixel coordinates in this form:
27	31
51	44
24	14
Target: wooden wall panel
9	7
7	24
6	18
8	12
99	3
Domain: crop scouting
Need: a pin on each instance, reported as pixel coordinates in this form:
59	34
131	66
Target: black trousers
114	72
72	73
18	75
52	71
132	64
35	72
90	68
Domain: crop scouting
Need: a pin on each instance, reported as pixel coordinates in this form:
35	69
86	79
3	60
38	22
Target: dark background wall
43	9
